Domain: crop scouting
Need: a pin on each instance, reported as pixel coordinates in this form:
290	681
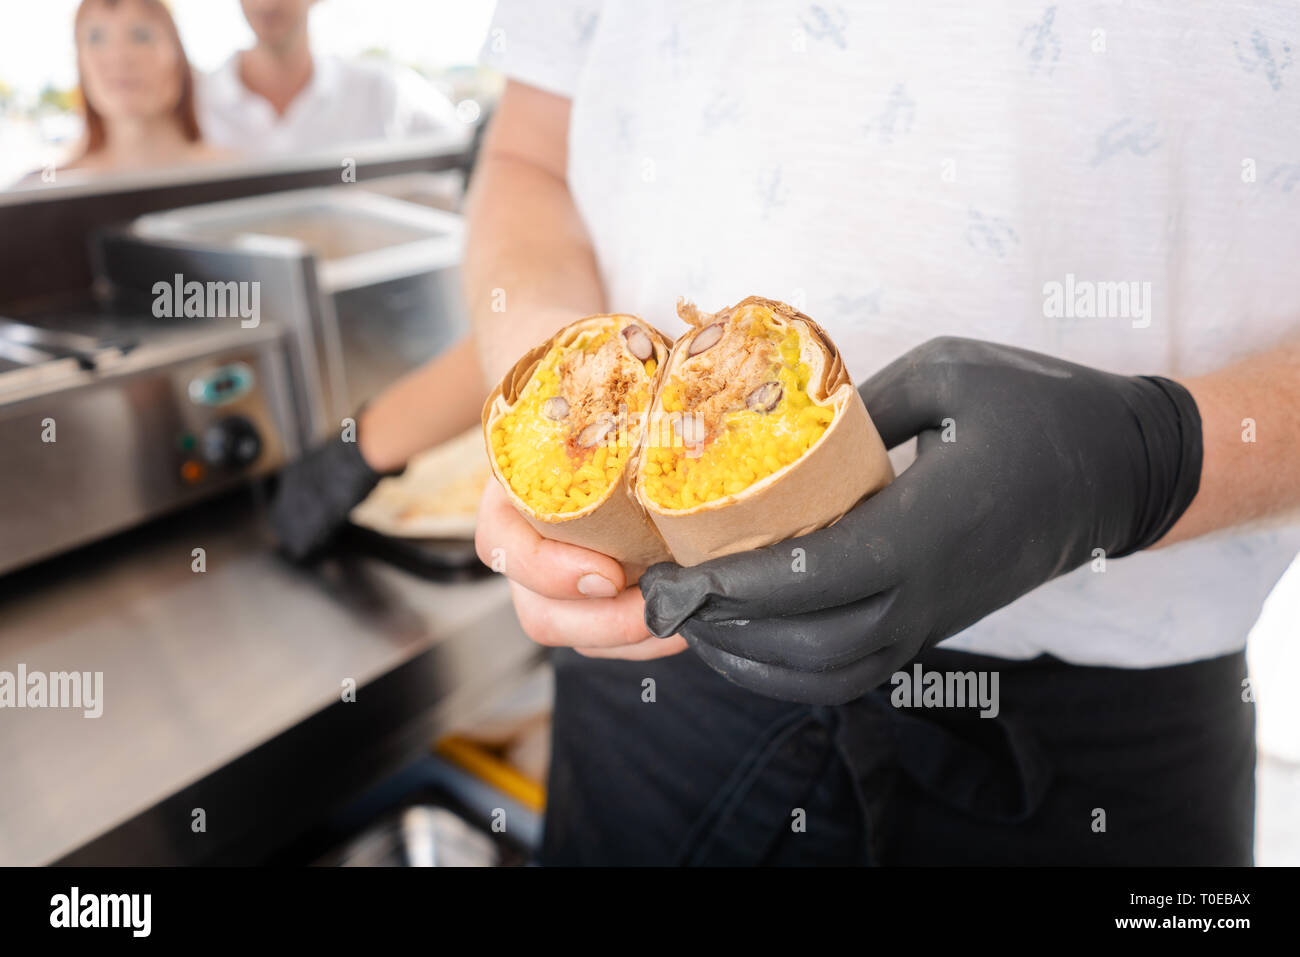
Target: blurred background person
280	97
137	89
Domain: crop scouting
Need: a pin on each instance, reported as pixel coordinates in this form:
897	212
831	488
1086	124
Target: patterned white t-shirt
1115	184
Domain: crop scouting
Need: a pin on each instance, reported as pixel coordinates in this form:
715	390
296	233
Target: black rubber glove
315	495
1025	465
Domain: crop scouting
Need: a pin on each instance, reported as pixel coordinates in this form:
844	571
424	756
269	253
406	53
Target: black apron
1082	765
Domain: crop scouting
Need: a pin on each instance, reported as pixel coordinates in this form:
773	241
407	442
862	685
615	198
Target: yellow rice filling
751	445
539	457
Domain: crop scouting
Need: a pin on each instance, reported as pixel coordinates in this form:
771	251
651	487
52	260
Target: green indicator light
187	442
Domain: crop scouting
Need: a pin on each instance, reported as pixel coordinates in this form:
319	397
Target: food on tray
436	496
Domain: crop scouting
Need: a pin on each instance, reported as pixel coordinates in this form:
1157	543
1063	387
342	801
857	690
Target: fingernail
596	586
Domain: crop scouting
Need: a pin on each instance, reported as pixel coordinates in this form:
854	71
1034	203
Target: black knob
231	443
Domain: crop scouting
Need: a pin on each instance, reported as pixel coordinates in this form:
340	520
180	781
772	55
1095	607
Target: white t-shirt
906	171
345	102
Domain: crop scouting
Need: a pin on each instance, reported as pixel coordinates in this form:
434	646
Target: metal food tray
357	237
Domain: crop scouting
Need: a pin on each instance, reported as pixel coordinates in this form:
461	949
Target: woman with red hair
137	89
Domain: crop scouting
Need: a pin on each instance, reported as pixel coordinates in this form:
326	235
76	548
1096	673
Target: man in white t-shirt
1090	547
279	97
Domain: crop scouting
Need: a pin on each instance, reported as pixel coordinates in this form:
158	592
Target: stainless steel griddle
110	418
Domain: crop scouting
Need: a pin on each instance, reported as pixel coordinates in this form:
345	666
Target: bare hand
564	595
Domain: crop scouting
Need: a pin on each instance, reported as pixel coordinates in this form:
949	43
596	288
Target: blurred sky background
37	59
36	35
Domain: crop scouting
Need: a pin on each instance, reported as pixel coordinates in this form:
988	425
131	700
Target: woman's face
129	65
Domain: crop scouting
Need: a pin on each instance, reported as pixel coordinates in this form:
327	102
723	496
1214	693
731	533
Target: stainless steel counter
200	668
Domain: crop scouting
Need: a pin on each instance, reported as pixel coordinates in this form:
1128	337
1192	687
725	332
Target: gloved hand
315	495
1025	465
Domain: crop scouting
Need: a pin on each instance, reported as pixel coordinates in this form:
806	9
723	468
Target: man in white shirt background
279	97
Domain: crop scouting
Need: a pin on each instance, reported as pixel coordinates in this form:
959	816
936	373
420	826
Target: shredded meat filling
721	377
596	384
